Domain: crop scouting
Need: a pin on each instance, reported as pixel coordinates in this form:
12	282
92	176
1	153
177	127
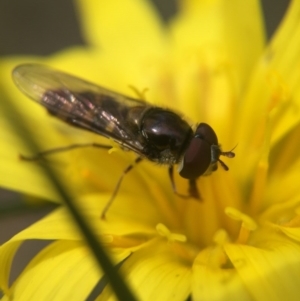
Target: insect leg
126	170
140	94
193	190
171	176
41	154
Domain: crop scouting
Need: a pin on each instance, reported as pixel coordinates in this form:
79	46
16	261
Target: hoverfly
157	134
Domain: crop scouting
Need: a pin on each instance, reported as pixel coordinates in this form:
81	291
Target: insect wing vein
80	103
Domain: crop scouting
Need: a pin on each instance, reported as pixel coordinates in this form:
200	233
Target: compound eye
200	153
196	159
205	132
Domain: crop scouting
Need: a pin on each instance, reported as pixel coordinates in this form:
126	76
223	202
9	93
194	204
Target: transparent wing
81	103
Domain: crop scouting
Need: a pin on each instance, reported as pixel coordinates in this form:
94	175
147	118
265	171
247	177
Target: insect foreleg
193	190
126	170
42	154
171	176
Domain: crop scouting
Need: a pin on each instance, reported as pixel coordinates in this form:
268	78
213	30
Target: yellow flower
211	63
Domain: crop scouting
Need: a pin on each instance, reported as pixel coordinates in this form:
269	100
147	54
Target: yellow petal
128	28
234	29
18	175
55	226
64	270
282	199
214	283
130	36
285	154
120	232
99	67
154	273
274	87
59	226
291	232
268	274
7	254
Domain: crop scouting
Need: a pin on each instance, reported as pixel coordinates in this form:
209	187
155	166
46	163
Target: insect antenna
228	154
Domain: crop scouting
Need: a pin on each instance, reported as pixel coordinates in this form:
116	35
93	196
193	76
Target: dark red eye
202	154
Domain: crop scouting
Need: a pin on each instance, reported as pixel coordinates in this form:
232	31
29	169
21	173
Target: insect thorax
166	135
